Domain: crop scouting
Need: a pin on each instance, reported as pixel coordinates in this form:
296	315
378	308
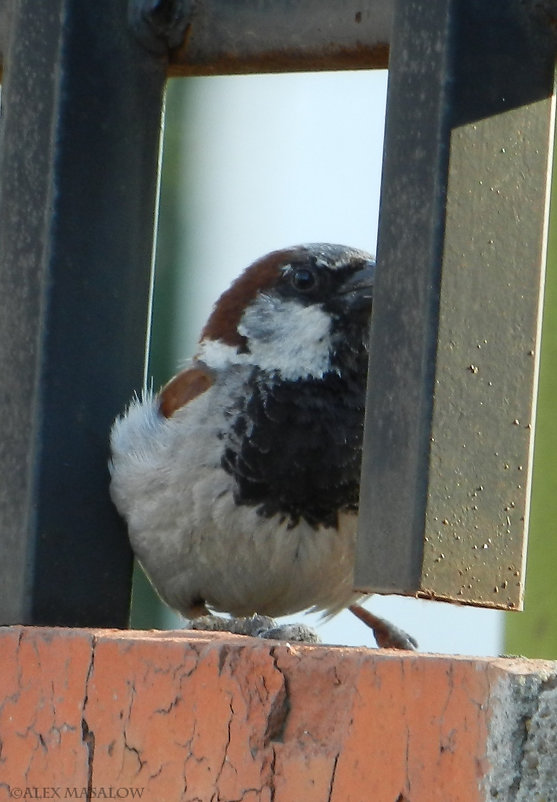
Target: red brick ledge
168	716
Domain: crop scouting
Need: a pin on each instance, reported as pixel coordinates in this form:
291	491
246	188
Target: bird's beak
357	291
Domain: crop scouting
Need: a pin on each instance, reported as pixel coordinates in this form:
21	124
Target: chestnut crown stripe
182	389
223	325
225	318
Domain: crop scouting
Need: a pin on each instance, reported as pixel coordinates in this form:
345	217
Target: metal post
445	487
81	118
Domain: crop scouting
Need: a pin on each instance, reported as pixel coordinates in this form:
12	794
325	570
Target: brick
202	717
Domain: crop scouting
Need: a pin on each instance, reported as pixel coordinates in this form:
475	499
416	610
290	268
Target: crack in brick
87	735
333	774
246	791
136	752
18	658
272	775
187	746
279	707
90	669
226	747
407	729
223	653
129	747
164	711
158	772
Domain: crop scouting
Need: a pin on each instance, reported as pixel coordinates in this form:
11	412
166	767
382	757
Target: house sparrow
239	480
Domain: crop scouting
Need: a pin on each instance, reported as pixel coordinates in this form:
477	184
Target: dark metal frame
79	154
457	307
82	101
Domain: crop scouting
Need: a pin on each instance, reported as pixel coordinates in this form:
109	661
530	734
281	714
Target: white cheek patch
218	355
288	337
282	336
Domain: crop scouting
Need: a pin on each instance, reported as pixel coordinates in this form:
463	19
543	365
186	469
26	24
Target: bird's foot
257	626
386	634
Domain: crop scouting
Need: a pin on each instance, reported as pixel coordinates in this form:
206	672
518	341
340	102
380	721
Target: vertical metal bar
78	181
411	223
456	319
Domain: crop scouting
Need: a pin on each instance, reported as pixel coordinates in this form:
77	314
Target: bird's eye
303	279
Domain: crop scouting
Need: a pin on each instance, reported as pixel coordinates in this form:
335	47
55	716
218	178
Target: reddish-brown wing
183	388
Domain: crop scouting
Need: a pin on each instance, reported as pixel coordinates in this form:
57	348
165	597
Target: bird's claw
257	626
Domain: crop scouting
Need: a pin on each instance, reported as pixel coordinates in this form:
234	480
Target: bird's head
293	313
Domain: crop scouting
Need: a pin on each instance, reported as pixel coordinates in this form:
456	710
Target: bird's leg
386	634
262	626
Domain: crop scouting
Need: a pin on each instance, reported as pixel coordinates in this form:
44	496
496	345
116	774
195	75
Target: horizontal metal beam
224	37
221	37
